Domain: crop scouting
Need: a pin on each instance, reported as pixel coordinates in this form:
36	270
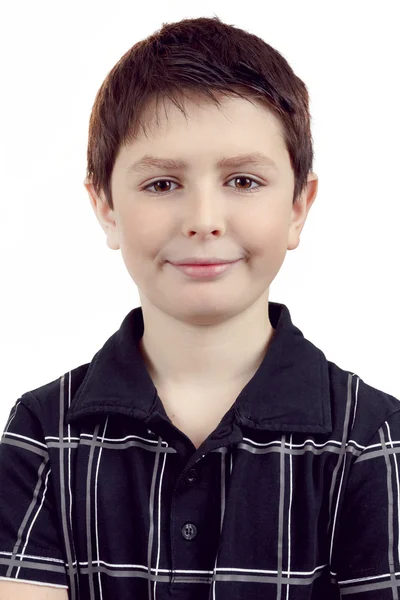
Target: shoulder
357	406
51	400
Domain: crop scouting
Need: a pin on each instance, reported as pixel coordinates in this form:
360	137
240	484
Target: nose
205	216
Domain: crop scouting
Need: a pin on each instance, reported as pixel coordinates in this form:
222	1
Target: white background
64	292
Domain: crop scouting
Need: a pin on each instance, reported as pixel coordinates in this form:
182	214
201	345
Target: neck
181	356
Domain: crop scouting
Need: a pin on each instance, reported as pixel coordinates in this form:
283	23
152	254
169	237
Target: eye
238	177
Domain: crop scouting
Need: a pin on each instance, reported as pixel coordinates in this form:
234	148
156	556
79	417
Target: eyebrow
148	162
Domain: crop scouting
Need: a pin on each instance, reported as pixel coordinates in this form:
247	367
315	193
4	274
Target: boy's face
204	211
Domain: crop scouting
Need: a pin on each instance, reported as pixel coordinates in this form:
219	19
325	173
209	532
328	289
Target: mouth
202	261
205	271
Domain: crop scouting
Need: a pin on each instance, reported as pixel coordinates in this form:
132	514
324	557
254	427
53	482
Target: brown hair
198	55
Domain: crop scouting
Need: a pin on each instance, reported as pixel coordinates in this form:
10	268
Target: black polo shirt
294	496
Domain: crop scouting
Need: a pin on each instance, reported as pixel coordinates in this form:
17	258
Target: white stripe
279	442
356	444
73	551
69	454
345	433
308	441
382	445
89	436
366	578
398	494
66	438
206	572
289	516
159	522
23	437
337	505
355	405
34	519
223	500
127	437
57	560
95	507
12	416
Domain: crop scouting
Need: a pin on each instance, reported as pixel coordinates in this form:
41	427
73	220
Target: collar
289	392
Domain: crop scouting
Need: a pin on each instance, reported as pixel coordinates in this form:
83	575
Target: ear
105	215
301	209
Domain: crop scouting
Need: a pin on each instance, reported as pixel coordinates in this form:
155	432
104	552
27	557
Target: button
189	531
191	476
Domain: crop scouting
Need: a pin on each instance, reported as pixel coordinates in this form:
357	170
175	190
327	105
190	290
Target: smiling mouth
205	271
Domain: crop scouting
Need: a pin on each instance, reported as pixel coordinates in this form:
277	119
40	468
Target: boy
208	450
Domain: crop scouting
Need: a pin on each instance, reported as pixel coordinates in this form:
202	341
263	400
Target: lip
205	271
203	261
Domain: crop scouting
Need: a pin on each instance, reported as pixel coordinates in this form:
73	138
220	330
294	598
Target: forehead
191	110
237	132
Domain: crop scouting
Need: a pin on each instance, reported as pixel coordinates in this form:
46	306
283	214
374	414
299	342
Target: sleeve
366	554
30	549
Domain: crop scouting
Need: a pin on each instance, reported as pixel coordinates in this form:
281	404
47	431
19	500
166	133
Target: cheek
139	232
268	235
142	244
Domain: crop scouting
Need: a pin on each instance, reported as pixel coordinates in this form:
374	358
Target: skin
205	336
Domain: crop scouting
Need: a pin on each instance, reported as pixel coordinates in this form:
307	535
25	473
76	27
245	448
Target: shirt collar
289	392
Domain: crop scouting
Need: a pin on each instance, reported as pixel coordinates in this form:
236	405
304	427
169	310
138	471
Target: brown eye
162	181
163	191
241	179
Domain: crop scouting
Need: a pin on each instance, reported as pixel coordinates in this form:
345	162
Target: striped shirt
294	496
